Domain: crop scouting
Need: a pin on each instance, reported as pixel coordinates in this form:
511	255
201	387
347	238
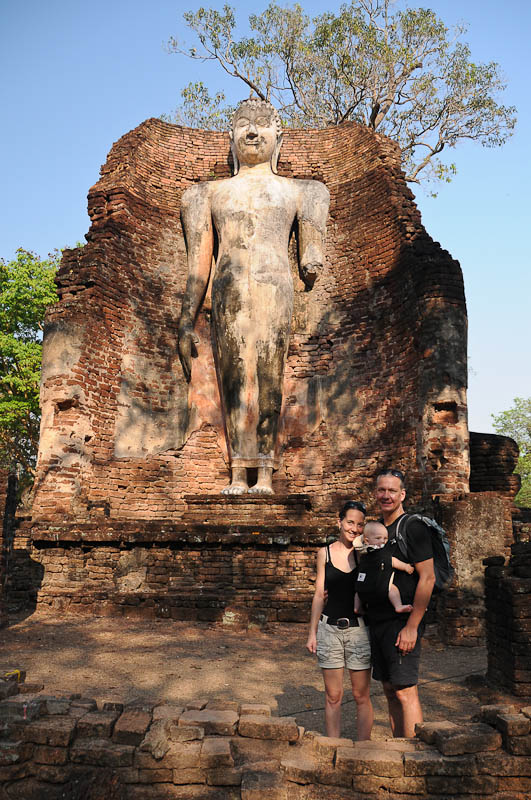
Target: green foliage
516	423
404	74
27	288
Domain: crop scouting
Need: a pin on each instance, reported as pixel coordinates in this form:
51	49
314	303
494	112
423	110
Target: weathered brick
55	731
216	753
102	753
97	724
467	739
280	728
131	727
221	723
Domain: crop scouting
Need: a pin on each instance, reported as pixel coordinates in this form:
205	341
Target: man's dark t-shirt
419	549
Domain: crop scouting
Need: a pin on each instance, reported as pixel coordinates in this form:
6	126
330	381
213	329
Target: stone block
447	786
426	731
280	728
30	688
385	786
214	723
259	785
44	754
54	731
196	705
329	776
216	753
14	752
252	751
223	705
156	739
467	739
167	712
8	688
112	706
57	706
432	762
131	727
102	753
22	707
224	776
159	775
256	709
490	713
185	733
375	761
16	772
50	773
327	746
519	745
513	724
299	770
96	724
187	776
502	764
86	703
33	789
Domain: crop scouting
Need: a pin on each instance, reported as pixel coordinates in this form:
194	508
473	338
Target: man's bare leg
404	709
264	482
238	483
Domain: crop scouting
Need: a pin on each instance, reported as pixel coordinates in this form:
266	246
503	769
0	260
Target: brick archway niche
126	515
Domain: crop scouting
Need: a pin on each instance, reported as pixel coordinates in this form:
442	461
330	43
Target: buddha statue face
255	135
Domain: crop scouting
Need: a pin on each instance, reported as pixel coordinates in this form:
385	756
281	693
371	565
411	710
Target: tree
27	288
516	423
404	74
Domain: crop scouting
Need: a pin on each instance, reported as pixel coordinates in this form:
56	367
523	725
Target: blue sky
79	75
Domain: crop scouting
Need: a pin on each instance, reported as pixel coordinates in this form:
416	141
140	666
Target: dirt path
163	660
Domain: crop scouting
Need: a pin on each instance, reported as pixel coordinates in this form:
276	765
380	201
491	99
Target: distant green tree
402	73
516	423
27	288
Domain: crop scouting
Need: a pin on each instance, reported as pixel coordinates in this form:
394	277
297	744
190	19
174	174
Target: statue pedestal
227	552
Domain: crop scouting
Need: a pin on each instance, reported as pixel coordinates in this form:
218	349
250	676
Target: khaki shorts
348	647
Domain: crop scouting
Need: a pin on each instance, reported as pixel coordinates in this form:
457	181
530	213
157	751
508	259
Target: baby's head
375	534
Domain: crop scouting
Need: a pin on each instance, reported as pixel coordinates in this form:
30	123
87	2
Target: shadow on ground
147	662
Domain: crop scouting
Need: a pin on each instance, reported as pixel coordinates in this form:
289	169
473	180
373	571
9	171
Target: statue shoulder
315	190
196	193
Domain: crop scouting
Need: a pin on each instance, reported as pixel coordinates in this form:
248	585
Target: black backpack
444	571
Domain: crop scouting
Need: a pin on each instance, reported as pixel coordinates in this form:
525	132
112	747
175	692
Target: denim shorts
343	647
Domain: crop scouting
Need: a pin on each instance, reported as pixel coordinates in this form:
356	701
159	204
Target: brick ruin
66	748
125	515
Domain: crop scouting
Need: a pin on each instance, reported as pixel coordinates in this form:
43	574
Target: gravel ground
133	661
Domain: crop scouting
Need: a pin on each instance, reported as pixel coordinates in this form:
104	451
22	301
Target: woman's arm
318	602
197	224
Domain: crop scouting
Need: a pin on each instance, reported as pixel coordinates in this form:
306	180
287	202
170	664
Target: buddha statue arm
312	213
197	224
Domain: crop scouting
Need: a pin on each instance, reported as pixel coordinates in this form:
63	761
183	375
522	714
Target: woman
337	635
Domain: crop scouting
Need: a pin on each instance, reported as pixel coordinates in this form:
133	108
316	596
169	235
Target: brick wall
508	605
376	370
493	459
66	748
8	490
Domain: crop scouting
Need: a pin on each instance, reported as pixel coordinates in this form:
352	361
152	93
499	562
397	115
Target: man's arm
198	230
407	637
312	213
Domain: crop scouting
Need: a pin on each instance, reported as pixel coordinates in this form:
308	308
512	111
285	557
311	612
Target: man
248	220
395	638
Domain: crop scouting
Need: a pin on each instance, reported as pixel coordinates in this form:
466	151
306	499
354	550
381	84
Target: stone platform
56	747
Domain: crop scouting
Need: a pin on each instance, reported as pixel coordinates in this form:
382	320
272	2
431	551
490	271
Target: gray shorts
348	647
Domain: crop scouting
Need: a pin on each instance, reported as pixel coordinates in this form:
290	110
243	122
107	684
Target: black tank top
341	587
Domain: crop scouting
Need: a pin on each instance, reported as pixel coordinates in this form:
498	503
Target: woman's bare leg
361	684
333	681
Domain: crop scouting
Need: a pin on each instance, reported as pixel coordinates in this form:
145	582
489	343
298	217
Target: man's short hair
396	473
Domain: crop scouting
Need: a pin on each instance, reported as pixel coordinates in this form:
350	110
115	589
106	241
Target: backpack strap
401	534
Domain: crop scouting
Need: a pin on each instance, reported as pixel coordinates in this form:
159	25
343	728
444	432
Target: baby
374	560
